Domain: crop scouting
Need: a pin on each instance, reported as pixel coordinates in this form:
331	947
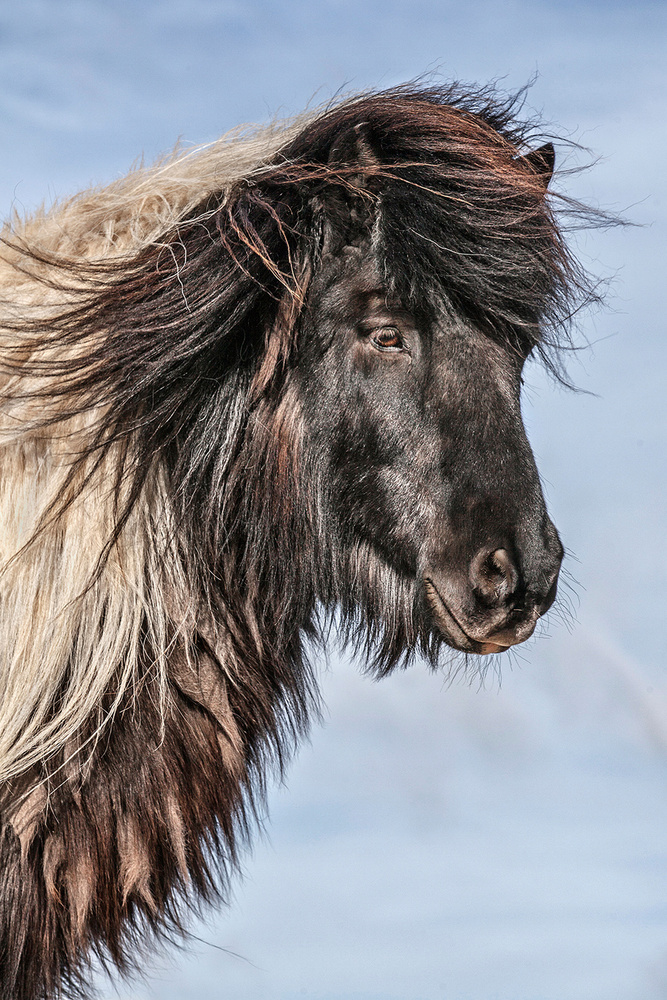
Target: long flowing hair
163	555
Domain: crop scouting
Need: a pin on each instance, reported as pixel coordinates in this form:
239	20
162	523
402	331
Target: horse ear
348	203
354	149
541	162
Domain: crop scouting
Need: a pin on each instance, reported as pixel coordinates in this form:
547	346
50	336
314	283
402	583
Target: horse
257	391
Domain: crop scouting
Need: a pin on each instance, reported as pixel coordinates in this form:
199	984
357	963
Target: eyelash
391	332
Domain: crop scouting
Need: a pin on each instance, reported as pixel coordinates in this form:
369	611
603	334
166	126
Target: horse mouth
455	634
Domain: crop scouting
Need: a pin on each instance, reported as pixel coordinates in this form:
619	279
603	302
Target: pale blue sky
436	843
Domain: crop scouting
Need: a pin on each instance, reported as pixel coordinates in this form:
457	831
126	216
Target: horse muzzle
495	605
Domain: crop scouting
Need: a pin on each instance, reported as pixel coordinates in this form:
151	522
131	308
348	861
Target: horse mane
161	559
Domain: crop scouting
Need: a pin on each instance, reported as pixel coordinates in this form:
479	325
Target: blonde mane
79	620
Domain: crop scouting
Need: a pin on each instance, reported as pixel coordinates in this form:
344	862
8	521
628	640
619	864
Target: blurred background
495	838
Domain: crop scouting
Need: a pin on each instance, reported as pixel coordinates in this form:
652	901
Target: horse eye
387	338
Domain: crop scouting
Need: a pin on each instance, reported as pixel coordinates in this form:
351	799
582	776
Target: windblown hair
165	561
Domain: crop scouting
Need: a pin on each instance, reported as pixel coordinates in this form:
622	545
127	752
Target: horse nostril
494	577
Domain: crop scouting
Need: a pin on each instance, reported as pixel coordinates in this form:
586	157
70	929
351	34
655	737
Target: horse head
413	422
429	268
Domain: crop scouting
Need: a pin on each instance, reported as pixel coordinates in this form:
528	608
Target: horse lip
458	635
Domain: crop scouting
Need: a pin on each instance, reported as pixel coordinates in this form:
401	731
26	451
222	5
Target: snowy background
504	840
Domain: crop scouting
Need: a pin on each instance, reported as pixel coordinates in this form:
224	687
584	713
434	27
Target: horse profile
253	390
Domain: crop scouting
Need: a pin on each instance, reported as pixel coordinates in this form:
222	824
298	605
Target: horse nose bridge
493	467
504	511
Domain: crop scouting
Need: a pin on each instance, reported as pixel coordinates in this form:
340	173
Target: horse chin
456	636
